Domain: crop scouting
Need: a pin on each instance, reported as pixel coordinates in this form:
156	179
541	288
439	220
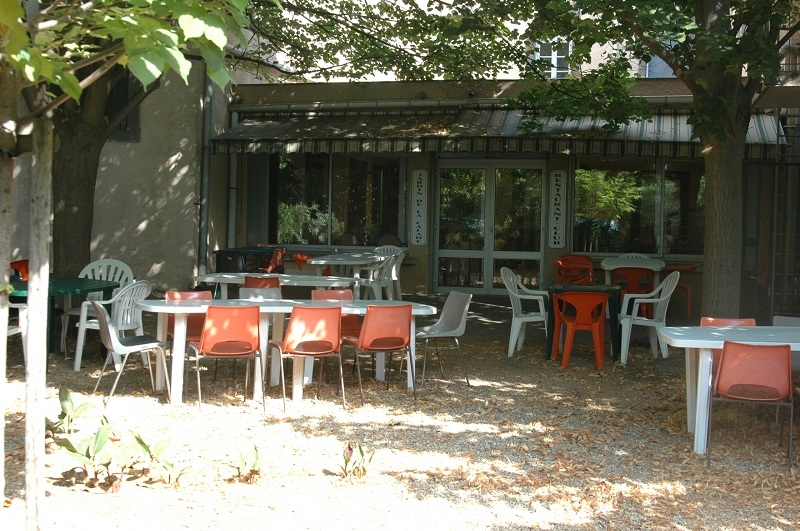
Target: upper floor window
556	54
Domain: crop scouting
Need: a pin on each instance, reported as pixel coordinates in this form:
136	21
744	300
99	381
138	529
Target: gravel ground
526	446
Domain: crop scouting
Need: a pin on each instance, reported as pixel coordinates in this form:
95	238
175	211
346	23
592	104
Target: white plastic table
301	373
315	281
698	342
654	264
353	262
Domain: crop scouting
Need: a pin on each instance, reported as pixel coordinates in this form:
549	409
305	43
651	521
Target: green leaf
192	26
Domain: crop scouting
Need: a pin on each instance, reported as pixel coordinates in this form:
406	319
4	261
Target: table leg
412	353
298	368
703	400
161	335
223	290
178	355
277	335
263	339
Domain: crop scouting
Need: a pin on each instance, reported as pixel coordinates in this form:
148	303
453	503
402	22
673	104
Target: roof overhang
477	130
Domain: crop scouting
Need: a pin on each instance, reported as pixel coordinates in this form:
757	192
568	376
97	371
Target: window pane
684	212
461	221
518	209
366	197
303	199
616	210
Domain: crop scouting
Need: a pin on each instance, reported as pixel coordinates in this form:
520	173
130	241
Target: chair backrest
574	269
21	267
389	239
229	261
511	282
348	238
385	328
194	322
664	292
633	279
332	294
262	282
107	269
453	318
589	306
766	369
276	261
724	321
398	261
124	314
261	293
315	330
388	249
109	336
230	330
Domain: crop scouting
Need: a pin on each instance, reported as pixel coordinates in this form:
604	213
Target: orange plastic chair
685	288
21	267
580	311
275	264
194	321
724	321
312	333
385	329
262	282
230	333
754	374
574	269
635	280
351	324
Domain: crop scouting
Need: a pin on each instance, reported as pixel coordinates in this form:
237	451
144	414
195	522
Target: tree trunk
36	365
722	260
75	167
10	86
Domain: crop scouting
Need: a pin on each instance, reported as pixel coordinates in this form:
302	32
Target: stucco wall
147	200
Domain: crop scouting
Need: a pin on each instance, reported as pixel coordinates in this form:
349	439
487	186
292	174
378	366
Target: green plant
355	467
69	412
169	472
91	452
249	467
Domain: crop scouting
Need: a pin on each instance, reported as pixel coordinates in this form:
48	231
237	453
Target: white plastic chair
119	346
451	324
124	315
628	317
105	269
517	292
20	327
379	280
400	254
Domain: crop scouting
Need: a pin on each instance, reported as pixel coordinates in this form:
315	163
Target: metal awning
480	130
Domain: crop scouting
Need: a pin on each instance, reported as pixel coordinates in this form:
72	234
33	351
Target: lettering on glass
558	197
419	205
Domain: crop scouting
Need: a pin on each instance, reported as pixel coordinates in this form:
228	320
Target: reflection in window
623	210
340	200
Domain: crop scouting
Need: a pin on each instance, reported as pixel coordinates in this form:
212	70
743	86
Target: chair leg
116	380
197	371
102	372
360	388
424	361
341	381
567	347
625	340
597	337
512	340
410	367
283	383
463	367
654	344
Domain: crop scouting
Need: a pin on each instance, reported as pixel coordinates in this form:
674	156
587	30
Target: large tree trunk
36	364
9	98
722	260
75	165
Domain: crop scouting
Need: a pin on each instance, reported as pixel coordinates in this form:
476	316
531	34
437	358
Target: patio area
526	446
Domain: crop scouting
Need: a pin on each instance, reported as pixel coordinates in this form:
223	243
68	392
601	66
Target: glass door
489	216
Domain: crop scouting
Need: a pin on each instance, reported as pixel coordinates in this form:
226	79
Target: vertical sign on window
419	200
558	197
